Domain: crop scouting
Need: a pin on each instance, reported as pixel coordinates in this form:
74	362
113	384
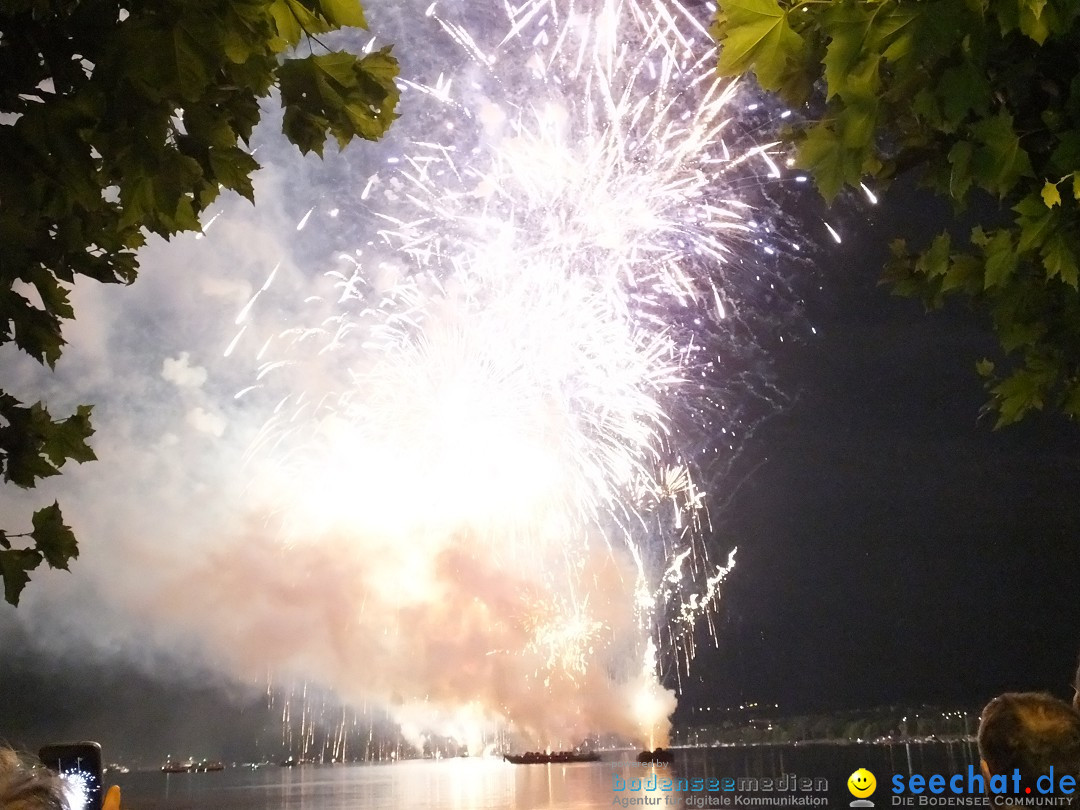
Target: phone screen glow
80	786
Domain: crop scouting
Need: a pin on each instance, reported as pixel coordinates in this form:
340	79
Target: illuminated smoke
481	464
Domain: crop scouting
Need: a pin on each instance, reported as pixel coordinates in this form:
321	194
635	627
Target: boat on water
660	756
540	758
172	766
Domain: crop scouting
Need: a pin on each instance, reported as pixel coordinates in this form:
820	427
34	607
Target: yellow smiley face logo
861	783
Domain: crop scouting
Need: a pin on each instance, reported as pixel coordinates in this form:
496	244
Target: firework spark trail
487	414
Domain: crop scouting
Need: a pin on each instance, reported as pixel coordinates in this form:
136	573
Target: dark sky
137	711
893	547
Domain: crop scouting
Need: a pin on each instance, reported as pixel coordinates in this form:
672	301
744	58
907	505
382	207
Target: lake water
491	784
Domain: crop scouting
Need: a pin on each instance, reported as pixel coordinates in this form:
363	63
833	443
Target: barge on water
538	758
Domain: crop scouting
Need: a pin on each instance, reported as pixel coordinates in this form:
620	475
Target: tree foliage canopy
118	120
977	96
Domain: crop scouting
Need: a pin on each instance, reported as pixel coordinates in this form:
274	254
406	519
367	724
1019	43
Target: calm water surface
491	784
453	784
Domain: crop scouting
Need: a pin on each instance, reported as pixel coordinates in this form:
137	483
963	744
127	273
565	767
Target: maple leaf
758	37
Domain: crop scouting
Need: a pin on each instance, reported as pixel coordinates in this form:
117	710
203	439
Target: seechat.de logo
862	785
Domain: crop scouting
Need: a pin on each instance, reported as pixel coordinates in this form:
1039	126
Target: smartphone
79	765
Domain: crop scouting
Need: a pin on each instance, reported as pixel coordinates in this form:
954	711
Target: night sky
894	548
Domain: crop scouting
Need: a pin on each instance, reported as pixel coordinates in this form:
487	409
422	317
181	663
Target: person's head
1076	688
1029	732
23	787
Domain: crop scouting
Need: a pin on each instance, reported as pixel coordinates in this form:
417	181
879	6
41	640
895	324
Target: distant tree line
871	725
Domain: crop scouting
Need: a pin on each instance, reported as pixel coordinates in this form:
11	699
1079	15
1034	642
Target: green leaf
1014	331
1008	15
343	13
984	368
1001	259
927	106
306	18
862	87
1050	194
850	31
67	439
15	566
960	175
239	45
935	261
1032	21
1036	222
35	331
380	69
897	24
1066	155
1060	259
1024	390
1000	163
232	168
288	27
340	68
185	218
962	89
822	154
339	93
758	37
861	34
53	539
209	126
53	295
34	446
965	273
191	72
136	196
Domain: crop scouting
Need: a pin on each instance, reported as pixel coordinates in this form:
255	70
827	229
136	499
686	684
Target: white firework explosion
495	391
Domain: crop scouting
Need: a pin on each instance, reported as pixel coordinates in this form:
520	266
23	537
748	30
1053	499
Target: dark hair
1030	732
26	787
1076	688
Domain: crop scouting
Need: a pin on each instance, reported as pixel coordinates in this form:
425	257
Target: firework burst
492	405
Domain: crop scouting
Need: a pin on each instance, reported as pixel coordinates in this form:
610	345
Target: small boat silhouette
660	756
539	758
